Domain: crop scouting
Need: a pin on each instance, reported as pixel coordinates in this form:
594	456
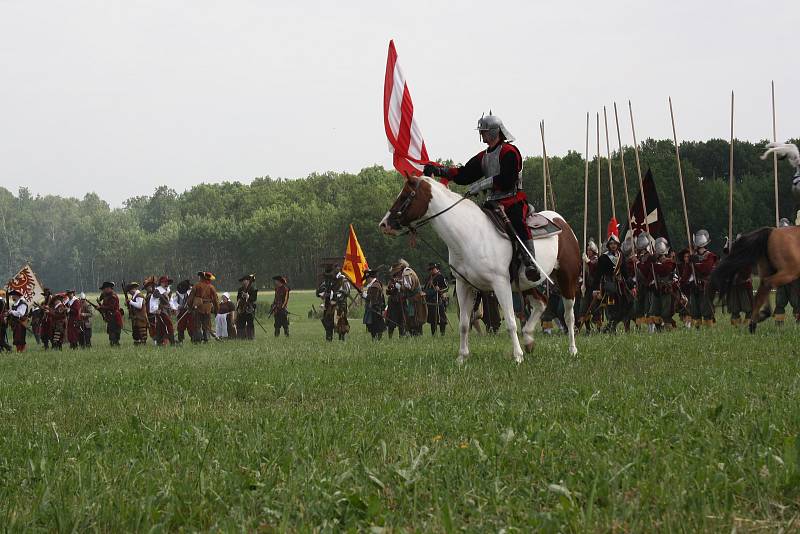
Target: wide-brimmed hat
149	281
104	286
206	275
330	270
165	280
370	273
399	266
280	278
183	286
131	285
251	277
70	292
14	293
433	265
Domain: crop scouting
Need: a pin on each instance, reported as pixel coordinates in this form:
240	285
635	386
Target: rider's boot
531	272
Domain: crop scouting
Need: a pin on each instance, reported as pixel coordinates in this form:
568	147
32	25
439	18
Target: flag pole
608	158
624	173
544	167
680	177
639	171
599	206
730	182
585	196
775	157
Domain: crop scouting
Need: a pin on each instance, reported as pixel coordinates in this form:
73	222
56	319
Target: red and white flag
27	283
402	130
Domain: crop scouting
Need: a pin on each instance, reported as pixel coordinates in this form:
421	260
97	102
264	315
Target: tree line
277	226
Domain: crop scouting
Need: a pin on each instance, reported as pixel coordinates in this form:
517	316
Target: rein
412	227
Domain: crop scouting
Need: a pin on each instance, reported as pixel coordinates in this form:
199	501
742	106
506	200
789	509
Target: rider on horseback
498	169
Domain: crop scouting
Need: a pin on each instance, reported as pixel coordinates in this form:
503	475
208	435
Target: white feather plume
784	151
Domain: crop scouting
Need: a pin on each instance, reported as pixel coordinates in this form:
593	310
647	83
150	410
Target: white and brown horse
480	255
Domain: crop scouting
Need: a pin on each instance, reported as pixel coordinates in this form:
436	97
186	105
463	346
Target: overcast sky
121	97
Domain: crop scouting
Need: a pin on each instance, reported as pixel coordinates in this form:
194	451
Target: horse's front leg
537	309
466	300
569	320
503	293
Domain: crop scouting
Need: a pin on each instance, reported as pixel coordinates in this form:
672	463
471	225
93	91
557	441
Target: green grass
684	431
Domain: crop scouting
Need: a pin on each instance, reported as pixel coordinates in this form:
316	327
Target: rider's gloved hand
434	170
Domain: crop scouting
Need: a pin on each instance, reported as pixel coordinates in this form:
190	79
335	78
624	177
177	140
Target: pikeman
497	170
58	316
436	298
280	306
112	313
18	319
412	297
704	261
374	304
629	256
663	286
609	285
137	310
685	282
161	308
73	319
589	310
644	278
204	302
246	307
787	294
334	292
4	322
394	308
181	304
739	298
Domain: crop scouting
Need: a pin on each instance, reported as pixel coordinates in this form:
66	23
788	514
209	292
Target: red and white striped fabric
402	130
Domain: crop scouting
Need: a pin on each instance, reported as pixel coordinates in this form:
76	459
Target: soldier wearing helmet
703	262
643	244
589	310
664	286
497	170
610	281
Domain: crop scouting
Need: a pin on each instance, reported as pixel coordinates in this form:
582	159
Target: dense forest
275	226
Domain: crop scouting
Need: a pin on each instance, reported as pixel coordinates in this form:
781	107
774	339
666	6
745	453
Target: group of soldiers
644	283
155	311
406	304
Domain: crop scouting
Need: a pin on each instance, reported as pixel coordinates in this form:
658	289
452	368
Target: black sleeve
253	294
604	267
469	173
509	171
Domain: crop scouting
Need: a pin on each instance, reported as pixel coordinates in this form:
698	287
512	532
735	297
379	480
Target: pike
585	201
680	177
639	171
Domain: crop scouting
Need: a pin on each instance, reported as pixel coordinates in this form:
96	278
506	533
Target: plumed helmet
613	238
701	238
493	122
627	246
591	245
784	222
661	246
642	241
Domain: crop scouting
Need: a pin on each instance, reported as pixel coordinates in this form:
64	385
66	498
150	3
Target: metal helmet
701	238
612	238
591	245
627	246
784	222
642	241
661	247
493	122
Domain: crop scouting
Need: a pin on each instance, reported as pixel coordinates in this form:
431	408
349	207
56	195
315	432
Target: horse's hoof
752	328
519	359
461	360
529	347
573	351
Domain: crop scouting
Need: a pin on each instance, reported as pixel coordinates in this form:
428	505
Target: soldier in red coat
497	170
703	262
74	323
663	286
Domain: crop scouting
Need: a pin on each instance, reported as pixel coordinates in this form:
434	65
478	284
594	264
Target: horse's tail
745	252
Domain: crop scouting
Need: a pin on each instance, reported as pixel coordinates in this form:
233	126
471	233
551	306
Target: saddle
540	225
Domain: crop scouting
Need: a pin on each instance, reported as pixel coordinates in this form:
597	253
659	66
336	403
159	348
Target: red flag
613	228
355	263
402	130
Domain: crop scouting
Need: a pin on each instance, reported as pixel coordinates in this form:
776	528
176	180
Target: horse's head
411	205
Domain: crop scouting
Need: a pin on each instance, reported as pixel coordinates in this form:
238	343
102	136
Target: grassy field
684	431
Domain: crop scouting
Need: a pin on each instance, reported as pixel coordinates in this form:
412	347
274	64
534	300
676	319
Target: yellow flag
355	263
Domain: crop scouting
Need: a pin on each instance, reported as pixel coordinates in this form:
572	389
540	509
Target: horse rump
745	252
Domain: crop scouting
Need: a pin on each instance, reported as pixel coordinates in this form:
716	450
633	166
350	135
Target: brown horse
776	252
480	255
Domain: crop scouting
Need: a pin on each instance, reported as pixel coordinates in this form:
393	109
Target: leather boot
531	272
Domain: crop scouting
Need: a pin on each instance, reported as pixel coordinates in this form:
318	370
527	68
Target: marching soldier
644	278
436	298
663	286
280	305
374	304
85	339
4	322
18	319
787	294
181	304
609	286
703	261
161	308
334	291
110	309
137	310
739	299
395	317
58	316
73	319
589	310
45	323
630	259
685	283
246	307
204	303
412	297
150	305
